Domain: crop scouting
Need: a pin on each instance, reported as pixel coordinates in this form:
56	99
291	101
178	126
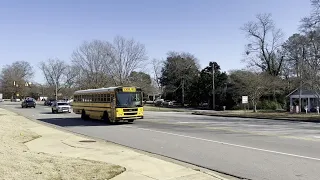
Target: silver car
59	107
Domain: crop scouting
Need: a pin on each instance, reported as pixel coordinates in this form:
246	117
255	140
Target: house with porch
309	99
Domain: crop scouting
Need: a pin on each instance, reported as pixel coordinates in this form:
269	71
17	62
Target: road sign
129	89
244	99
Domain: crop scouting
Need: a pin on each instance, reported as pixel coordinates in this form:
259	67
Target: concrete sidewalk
138	166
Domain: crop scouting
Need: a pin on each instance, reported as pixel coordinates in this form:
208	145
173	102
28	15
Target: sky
36	30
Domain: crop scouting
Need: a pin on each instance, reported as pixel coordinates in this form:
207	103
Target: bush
269	105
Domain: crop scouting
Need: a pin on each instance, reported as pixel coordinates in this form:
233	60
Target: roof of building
304	91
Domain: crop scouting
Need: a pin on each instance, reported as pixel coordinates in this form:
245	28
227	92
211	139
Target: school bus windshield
129	99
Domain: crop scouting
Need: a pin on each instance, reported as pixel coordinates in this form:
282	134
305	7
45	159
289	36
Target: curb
281	119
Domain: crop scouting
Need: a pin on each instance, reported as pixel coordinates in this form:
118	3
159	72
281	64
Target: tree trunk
254	106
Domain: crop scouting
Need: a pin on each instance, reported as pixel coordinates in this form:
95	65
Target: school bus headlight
140	111
119	112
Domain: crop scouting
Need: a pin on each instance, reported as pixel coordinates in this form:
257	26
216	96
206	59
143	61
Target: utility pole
182	92
300	86
213	89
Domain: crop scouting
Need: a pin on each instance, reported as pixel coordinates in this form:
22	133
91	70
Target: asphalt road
249	148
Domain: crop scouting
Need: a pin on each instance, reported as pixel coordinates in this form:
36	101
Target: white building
309	99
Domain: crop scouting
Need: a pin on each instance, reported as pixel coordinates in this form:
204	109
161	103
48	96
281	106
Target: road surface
248	148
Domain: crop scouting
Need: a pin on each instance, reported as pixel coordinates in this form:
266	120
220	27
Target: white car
58	107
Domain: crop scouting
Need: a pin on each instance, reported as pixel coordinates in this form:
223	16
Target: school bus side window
94	98
104	97
108	98
99	98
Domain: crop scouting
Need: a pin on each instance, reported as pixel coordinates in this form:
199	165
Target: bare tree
312	21
58	74
264	49
100	63
157	66
127	56
13	77
92	60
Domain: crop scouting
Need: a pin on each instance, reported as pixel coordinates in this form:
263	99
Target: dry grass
265	114
17	162
164	109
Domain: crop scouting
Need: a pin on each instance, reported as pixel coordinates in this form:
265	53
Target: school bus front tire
106	118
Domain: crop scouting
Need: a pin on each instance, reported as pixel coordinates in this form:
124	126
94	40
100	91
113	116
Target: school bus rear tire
84	115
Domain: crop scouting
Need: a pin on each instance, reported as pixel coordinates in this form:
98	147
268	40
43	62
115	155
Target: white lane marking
317	137
229	144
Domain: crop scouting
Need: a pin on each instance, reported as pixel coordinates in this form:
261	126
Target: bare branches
157	66
264	44
13	78
312	21
101	63
127	56
91	60
57	74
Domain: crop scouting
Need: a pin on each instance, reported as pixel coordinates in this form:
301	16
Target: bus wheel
83	115
106	118
130	121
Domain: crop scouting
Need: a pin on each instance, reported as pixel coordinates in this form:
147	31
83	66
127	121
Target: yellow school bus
113	104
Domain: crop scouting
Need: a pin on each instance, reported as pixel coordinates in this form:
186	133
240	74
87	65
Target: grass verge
164	109
310	117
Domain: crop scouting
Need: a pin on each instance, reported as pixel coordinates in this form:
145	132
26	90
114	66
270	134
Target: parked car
158	102
58	107
28	103
167	103
15	100
49	102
